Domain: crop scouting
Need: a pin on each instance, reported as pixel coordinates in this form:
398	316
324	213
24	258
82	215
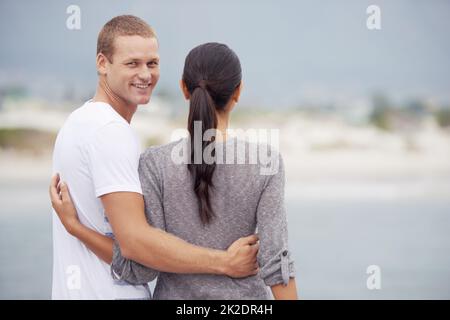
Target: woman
209	203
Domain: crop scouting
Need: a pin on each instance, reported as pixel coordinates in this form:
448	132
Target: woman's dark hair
212	72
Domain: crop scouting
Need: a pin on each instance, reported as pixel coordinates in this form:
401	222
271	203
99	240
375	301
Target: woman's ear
184	89
237	92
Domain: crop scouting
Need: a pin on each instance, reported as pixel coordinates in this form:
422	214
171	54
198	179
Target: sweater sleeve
274	257
129	270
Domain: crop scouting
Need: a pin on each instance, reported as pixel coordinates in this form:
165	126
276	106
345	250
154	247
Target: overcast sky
291	51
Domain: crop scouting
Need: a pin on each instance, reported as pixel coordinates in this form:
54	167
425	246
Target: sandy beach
355	196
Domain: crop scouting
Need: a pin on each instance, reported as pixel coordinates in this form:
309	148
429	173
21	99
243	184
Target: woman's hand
62	203
98	243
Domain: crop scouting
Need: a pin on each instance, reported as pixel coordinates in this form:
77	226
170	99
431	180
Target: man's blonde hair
125	25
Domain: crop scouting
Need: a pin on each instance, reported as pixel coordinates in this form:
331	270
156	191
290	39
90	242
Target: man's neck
105	94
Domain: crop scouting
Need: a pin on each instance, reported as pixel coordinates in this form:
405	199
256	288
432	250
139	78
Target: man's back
95	153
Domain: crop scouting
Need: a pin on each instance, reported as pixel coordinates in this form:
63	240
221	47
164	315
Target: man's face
134	70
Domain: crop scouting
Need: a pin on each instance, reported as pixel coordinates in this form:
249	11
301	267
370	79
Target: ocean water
333	243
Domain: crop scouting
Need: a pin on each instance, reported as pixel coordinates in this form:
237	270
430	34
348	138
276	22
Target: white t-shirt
96	152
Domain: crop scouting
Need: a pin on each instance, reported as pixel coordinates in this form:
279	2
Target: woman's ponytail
202	111
212	73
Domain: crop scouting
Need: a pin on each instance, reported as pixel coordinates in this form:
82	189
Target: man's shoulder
96	115
93	125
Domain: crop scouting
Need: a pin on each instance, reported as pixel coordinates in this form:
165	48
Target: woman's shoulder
160	157
264	155
160	151
259	145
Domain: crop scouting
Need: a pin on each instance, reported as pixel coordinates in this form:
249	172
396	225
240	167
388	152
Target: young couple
131	218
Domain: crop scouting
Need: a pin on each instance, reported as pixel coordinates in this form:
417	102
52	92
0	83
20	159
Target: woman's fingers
54	183
64	192
53	190
59	192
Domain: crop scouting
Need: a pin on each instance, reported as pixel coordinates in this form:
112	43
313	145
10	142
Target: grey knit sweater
245	199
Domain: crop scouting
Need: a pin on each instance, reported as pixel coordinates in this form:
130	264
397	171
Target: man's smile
141	85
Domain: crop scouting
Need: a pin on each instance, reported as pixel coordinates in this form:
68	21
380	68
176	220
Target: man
97	154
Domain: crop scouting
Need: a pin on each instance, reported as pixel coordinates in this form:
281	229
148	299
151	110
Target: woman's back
243	198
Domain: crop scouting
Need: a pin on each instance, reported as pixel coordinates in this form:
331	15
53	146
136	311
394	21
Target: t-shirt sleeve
113	158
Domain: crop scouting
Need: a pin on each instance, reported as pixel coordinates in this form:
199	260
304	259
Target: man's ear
237	92
101	62
184	89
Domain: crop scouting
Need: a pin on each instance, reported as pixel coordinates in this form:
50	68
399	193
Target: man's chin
143	100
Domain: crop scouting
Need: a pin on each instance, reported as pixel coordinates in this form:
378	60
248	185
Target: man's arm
238	261
160	250
112	156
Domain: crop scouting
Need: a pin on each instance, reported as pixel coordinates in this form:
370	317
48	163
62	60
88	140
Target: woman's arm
282	292
277	267
98	243
103	247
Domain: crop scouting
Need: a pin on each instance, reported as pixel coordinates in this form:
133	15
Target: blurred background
364	120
